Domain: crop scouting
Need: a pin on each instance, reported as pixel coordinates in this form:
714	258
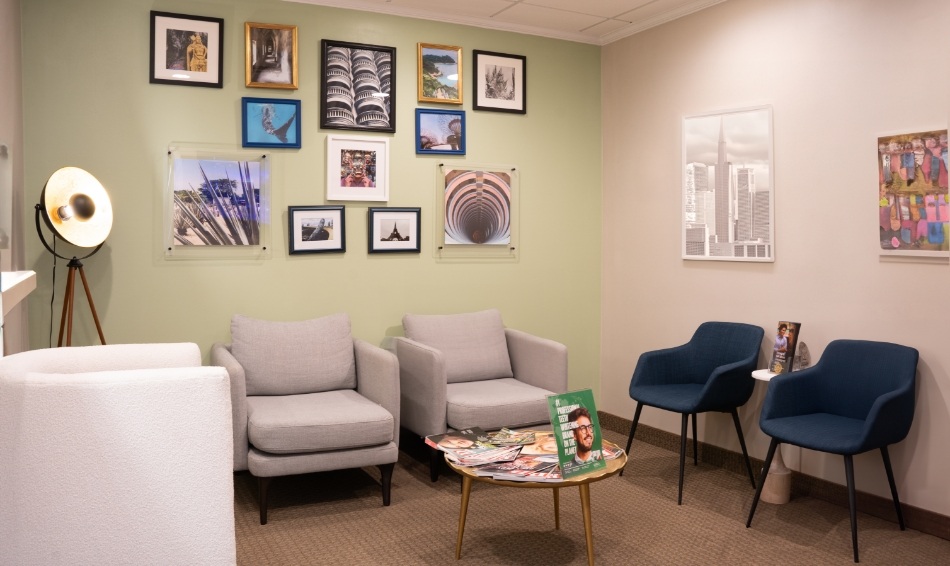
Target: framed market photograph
186	50
498	82
357	87
357	168
270	55
316	229
394	230
270	122
440	131
440	73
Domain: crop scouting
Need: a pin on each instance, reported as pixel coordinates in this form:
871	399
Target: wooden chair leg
745	453
386	477
633	429
679	499
849	477
435	461
890	481
262	485
765	472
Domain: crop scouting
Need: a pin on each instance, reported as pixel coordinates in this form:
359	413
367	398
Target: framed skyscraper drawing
728	209
358	87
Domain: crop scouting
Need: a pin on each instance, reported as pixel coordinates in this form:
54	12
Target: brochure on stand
783	348
577	432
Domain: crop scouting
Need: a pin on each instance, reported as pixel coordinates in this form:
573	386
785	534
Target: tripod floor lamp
76	208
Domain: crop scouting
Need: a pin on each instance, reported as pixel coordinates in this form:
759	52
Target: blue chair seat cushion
676	397
819	431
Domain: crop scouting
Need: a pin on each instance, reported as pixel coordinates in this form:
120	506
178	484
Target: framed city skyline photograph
440	131
440	73
316	229
270	55
499	82
394	230
728	198
357	87
270	122
186	50
357	168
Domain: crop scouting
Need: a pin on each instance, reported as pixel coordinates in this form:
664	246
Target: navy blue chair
712	372
858	397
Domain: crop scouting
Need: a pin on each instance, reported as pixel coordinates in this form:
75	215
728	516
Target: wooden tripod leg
92	306
68	308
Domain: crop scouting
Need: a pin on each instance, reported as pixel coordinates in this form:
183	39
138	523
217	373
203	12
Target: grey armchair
467	370
308	397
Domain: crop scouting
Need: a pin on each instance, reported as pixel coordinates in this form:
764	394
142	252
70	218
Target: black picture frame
373	108
394	230
304	221
499	82
186	50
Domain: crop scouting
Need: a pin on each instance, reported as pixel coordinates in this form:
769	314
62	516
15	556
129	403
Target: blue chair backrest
857	372
719	343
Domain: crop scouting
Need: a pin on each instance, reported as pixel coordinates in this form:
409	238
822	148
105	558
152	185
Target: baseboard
915	518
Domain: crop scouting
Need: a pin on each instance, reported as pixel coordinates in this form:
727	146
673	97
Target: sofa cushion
472	344
316	422
290	358
495	403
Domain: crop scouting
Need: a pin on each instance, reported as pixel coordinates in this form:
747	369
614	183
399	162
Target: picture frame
912	197
439	73
216	204
357	168
478	210
440	131
343	65
499	82
316	229
270	122
270	55
394	230
186	50
728	195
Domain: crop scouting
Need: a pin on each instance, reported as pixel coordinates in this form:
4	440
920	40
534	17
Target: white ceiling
587	21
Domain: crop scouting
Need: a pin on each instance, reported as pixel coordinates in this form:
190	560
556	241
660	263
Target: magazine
783	349
577	432
480	456
508	437
458	439
522	468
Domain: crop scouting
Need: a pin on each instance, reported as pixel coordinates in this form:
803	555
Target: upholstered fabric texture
290	358
495	403
473	344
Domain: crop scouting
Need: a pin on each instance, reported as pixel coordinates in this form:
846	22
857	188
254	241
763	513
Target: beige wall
88	103
837	74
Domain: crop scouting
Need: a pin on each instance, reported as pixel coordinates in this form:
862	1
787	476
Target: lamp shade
76	207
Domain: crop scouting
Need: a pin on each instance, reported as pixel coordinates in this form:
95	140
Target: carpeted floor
338	518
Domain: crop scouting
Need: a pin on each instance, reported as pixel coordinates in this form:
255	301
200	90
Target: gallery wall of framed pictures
357	94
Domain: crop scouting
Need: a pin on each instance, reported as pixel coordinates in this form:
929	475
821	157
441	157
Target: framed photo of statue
316	229
357	168
186	50
394	230
270	55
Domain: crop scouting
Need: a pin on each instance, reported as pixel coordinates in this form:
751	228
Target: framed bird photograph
270	122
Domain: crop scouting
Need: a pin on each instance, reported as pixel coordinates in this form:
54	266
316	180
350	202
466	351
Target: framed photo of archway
270	55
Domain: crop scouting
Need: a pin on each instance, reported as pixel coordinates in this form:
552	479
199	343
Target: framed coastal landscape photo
440	73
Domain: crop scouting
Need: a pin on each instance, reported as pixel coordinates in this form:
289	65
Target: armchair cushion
473	344
495	403
316	422
291	358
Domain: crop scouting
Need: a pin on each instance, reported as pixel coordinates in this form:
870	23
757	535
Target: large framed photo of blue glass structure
358	87
270	122
728	192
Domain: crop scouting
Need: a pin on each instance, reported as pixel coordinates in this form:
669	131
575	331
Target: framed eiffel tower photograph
394	230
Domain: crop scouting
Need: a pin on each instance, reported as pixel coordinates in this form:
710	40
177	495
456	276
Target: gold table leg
588	531
466	492
557	509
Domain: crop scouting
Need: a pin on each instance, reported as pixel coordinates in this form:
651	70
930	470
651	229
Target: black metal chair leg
765	472
679	499
748	463
695	442
435	461
633	429
849	477
890	481
386	478
262	485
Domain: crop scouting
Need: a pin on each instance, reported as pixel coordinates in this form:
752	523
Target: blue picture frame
440	132
270	122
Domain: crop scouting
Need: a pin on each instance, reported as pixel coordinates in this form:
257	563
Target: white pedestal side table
778	483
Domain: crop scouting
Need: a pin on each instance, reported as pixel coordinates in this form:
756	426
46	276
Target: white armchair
116	454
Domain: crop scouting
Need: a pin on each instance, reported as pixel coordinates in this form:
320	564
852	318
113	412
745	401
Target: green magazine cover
577	432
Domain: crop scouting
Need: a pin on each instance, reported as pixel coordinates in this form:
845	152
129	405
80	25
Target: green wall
88	103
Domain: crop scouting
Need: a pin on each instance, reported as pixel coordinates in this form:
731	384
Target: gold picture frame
270	55
439	73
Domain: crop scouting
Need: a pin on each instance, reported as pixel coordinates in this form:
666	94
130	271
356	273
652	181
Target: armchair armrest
890	418
669	365
377	379
221	356
422	385
729	385
797	393
537	361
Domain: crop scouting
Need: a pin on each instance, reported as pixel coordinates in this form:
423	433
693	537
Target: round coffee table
582	482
